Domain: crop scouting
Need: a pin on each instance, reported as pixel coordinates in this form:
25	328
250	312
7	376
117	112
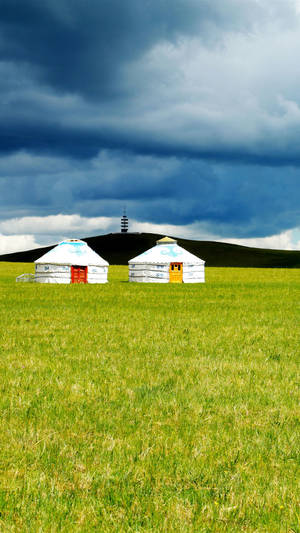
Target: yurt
71	261
167	262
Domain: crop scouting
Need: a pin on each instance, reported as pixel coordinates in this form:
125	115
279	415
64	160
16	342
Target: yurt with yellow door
167	262
71	261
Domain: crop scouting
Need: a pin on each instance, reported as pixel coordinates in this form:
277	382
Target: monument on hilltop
124	222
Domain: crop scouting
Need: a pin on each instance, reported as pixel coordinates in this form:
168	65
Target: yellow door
175	272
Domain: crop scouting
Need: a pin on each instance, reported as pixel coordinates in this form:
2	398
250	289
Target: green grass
143	407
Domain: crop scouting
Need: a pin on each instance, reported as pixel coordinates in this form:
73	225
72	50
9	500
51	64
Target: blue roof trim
72	243
166	249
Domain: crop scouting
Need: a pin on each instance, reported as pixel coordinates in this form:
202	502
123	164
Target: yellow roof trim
166	240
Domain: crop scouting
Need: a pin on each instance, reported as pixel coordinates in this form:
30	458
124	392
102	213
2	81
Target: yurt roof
167	251
72	252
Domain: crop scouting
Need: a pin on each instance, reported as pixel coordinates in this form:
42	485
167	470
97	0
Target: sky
187	112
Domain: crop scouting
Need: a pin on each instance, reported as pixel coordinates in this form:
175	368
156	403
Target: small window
172	267
179	267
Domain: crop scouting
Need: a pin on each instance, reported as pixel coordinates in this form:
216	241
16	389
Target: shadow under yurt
167	262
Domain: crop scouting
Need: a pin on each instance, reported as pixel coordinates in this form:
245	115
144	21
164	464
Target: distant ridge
118	248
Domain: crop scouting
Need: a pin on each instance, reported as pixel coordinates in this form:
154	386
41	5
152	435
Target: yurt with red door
71	261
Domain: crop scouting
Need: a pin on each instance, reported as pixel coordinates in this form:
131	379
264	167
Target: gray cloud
80	47
184	110
229	200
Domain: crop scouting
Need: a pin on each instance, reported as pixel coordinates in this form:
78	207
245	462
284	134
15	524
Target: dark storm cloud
98	52
185	110
80	46
235	200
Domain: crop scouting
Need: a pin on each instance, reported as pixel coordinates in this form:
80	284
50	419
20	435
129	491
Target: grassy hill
118	248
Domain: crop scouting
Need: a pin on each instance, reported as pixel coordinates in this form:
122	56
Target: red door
78	274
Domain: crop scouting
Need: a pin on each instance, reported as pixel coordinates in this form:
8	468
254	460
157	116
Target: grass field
143	407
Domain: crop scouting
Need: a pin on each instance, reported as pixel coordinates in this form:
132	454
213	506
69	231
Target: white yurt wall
194	273
97	274
149	273
47	273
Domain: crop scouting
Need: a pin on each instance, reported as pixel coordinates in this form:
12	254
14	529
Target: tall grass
143	407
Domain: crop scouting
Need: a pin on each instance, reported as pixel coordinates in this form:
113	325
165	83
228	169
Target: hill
118	248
